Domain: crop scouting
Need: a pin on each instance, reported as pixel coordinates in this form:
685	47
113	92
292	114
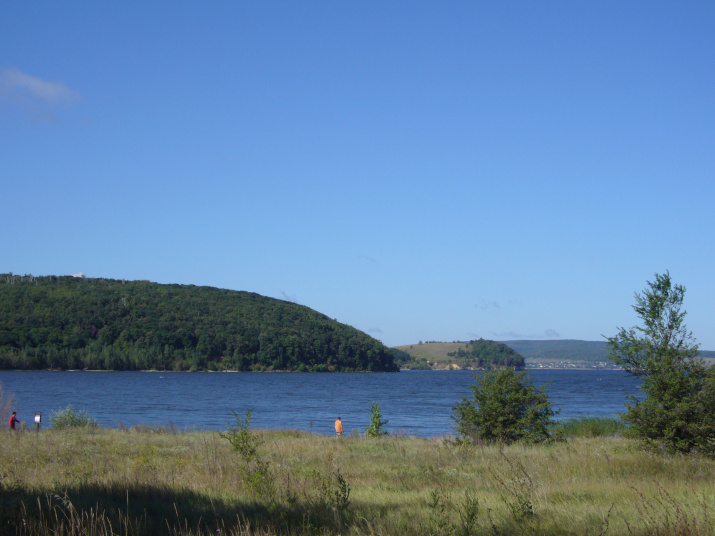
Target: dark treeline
484	354
67	322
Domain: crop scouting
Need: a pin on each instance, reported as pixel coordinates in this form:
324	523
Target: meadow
159	480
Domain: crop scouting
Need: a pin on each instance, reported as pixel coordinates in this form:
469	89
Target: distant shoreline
199	371
529	366
533	366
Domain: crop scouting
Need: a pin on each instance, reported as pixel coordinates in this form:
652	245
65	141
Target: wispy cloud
507	335
486	304
35	96
552	334
513	335
14	80
288	297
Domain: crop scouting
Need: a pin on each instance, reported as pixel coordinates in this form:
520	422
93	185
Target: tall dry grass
7	402
158	481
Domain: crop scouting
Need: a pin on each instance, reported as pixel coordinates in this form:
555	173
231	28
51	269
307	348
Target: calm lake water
416	403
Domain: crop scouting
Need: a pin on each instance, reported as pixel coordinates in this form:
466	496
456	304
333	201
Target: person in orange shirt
339	427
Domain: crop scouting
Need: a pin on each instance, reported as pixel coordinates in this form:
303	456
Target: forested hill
67	322
484	354
449	355
568	350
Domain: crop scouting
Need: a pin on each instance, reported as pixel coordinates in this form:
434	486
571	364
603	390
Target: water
416	403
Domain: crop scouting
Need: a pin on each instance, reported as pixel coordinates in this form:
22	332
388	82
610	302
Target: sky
422	171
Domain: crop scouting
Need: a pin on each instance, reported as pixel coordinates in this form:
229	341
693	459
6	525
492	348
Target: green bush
590	427
505	408
69	418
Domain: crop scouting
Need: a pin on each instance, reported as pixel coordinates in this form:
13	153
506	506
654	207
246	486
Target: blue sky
419	170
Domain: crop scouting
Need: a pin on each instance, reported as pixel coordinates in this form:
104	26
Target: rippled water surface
415	402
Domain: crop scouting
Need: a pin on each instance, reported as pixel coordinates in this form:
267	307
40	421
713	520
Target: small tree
678	411
505	407
375	428
255	471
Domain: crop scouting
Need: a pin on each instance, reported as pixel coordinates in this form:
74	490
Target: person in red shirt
339	427
14	420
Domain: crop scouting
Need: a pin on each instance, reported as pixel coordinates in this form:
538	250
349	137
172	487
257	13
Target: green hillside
432	351
470	355
444	354
68	322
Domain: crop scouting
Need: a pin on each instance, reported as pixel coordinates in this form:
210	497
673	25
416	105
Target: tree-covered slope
485	353
70	323
472	354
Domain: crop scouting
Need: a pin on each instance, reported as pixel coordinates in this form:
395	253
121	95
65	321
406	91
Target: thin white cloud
36	98
15	82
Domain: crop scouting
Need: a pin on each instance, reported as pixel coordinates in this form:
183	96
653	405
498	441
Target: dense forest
485	353
68	322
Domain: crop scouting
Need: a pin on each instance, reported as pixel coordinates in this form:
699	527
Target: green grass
142	481
591	427
436	352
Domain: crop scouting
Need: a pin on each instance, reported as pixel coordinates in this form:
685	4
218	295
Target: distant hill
69	322
569	350
432	351
554	351
561	350
471	355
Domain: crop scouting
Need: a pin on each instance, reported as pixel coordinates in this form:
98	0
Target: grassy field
159	481
435	352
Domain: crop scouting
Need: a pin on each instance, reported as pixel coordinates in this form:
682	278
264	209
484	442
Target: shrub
505	407
678	411
375	428
69	418
255	471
